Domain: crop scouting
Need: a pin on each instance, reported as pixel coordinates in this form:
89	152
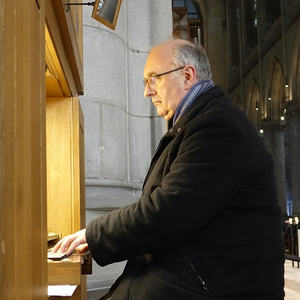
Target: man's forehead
158	59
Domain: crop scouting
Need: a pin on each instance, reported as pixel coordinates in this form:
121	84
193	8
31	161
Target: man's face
168	90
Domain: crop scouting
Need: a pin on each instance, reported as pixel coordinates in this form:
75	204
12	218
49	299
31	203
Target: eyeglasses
152	78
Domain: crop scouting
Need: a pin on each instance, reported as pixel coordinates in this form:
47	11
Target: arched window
187	20
253	109
277	101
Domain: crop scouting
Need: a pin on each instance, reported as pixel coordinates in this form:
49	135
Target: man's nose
149	91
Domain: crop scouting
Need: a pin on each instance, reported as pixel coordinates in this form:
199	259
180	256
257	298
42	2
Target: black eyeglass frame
145	80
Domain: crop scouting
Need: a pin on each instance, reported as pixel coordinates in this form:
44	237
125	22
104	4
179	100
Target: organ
41	147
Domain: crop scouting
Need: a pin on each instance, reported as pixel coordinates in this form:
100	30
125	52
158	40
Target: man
207	225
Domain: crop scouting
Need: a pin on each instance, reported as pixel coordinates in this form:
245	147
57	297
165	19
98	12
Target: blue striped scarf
197	89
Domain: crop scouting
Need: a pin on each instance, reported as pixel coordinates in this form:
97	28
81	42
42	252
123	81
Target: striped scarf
197	89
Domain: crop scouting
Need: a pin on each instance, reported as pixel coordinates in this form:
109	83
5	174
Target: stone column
160	28
274	141
120	128
293	127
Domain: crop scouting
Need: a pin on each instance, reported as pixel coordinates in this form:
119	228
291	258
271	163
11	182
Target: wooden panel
65	166
78	165
65	180
23	238
59	165
57	39
76	19
83	287
56	82
82	169
66	43
53	88
71	30
66	271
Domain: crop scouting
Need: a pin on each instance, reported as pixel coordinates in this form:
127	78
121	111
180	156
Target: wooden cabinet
65	184
70	271
65	165
41	144
64	139
23	214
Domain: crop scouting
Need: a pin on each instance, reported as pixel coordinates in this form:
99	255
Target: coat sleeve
206	173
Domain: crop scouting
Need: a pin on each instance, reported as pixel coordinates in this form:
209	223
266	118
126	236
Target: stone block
161	22
137	24
140	148
106	197
105	66
91	112
114	132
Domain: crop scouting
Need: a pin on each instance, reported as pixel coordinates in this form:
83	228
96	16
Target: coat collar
194	109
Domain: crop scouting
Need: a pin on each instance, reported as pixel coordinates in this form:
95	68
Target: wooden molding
71	41
64	41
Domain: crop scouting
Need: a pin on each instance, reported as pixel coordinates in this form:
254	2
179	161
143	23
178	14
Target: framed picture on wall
106	12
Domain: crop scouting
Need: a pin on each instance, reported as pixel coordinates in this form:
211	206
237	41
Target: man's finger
72	246
82	248
56	247
66	243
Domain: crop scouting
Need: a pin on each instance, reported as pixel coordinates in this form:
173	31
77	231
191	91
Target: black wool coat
207	225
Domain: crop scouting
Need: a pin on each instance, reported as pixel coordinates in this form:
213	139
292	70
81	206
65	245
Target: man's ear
190	77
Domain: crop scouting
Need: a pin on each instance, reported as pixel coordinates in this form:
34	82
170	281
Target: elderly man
207	225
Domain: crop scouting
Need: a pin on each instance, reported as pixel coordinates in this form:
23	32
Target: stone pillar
274	141
160	28
121	128
215	35
293	127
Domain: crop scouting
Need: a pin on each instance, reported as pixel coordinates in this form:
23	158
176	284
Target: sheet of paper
61	290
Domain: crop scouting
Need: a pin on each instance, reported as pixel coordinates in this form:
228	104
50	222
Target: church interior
77	134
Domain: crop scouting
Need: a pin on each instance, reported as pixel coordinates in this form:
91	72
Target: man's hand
69	243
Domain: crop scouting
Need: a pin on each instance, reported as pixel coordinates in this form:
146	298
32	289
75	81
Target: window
187	20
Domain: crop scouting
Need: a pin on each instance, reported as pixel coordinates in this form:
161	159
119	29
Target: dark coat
207	225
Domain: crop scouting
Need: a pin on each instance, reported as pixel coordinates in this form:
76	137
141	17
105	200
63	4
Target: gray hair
195	55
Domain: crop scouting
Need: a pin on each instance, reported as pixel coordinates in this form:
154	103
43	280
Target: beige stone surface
292	281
